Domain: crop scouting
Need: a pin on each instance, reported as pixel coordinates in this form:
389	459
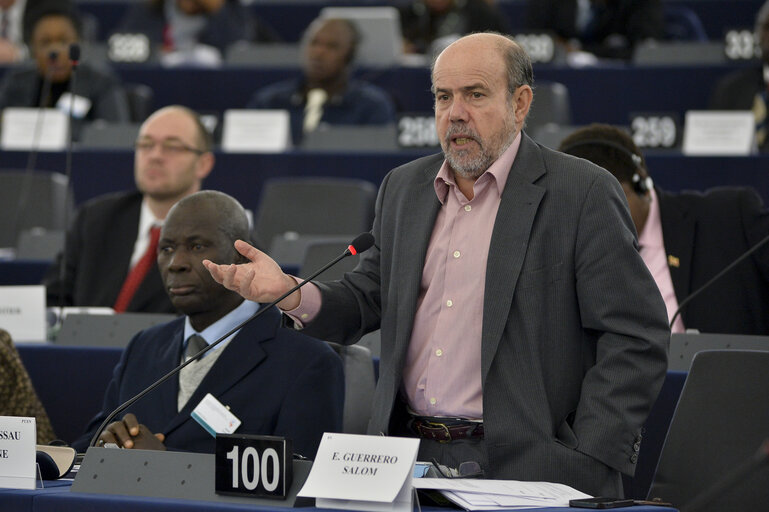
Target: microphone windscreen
361	243
74	52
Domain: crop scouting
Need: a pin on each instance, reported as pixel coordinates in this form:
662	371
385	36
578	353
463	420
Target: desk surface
58	498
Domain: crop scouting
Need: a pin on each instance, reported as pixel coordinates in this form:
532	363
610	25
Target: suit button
634	458
637	446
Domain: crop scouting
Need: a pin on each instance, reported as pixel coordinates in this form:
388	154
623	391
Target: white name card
17	452
356	472
712	133
22	312
29	128
256	131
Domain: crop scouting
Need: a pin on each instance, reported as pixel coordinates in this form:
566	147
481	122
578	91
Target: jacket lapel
408	260
169	391
509	242
232	365
678	230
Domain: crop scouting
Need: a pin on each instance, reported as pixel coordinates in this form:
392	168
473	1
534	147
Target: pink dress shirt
442	374
653	253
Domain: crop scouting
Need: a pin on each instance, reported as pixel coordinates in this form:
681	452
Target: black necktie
195	344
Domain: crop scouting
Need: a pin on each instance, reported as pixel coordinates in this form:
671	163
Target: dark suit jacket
277	381
705	233
574	328
99	247
108	98
738	89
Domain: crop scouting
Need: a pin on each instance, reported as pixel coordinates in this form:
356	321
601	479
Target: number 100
249	463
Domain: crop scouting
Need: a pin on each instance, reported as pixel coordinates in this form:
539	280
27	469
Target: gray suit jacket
574	328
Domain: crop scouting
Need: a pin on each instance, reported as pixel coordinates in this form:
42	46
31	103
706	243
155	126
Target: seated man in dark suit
324	93
748	88
110	260
52	28
276	381
686	239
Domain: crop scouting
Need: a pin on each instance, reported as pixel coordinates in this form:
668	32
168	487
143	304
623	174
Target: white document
22	312
256	131
31	128
17	452
357	472
715	133
480	494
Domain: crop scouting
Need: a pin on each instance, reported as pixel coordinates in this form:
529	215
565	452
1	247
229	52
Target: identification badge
80	105
215	417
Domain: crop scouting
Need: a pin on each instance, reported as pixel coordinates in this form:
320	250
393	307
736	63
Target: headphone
640	185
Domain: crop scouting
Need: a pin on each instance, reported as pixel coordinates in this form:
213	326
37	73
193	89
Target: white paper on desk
32	128
17	452
22	312
478	494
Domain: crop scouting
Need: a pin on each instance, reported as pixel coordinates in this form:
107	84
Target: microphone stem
128	403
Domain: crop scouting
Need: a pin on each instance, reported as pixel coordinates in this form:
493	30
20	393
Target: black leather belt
447	430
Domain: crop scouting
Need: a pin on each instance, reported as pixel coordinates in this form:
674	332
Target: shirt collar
651	235
147	219
497	172
222	326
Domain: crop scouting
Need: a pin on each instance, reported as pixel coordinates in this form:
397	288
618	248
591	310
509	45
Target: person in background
17	394
748	88
520	328
195	31
110	259
605	28
275	380
52	28
428	22
325	93
687	238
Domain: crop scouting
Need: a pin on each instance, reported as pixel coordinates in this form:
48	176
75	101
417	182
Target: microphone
702	288
361	243
74	59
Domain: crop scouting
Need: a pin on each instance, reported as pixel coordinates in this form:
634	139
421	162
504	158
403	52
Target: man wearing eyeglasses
111	247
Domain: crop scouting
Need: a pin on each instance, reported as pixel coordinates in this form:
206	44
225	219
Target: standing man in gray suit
520	327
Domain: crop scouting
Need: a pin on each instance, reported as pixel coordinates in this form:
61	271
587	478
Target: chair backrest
70	382
551	105
314	206
352	138
380	29
39	244
318	252
102	135
682	23
551	134
84	330
684	346
29	200
358	388
141	101
721	420
272	55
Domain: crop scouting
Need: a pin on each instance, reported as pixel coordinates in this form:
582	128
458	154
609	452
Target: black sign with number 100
258	466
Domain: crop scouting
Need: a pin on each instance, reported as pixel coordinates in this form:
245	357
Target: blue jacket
277	381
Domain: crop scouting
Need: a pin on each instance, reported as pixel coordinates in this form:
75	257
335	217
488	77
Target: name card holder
22	312
256	131
17	452
719	133
159	474
32	128
355	472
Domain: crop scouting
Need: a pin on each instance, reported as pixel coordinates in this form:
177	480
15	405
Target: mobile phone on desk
601	502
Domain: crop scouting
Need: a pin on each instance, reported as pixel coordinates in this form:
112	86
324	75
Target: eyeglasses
468	469
169	147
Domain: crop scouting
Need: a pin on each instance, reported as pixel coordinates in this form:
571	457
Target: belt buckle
445	429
